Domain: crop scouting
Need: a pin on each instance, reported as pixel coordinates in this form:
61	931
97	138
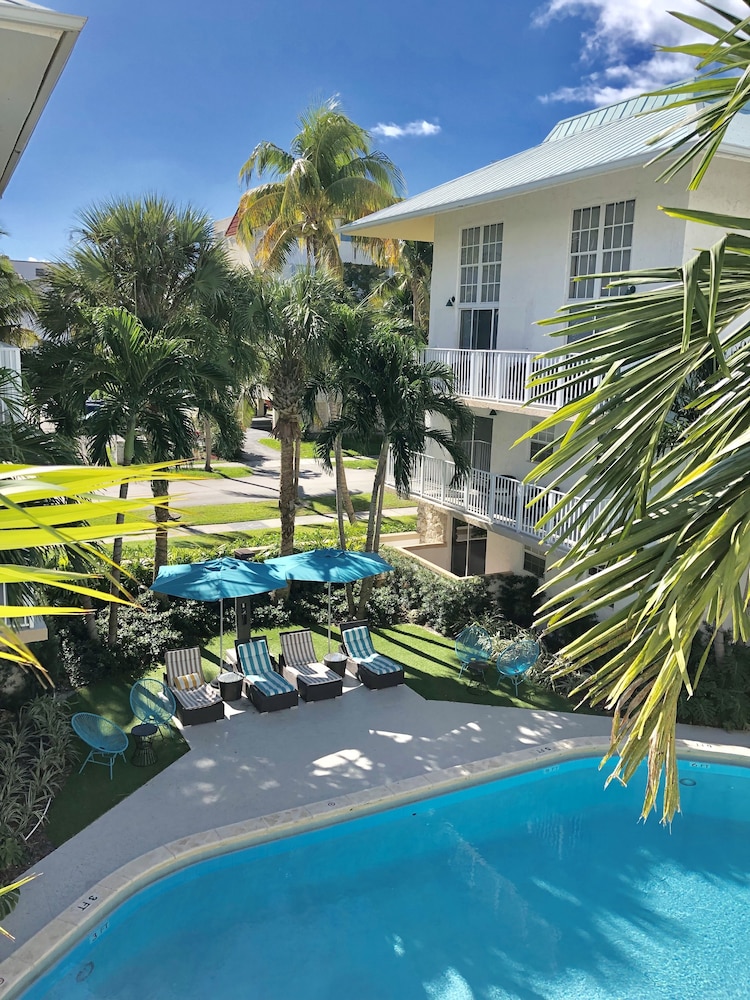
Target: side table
143	755
336	662
230	686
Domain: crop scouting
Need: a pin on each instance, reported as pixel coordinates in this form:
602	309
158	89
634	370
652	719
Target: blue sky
172	96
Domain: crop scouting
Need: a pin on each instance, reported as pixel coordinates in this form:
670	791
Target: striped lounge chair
196	700
315	681
373	669
266	689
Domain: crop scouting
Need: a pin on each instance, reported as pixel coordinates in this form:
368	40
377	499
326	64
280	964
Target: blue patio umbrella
330	566
216	579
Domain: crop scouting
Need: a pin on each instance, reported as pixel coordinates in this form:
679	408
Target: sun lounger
298	659
373	669
264	686
196	700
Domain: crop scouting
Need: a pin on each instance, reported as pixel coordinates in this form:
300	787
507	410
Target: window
541	444
600	242
534	561
481	257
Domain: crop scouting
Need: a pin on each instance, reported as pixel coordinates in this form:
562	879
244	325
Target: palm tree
18	301
291	321
405	292
145	386
330	175
389	390
164	265
667	530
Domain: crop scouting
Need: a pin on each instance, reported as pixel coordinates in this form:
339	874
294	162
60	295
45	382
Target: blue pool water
541	886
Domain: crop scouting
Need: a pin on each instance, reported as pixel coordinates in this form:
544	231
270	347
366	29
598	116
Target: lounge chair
315	681
196	700
263	685
473	645
105	738
516	659
152	701
373	669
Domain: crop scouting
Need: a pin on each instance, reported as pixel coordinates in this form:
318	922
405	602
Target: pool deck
250	766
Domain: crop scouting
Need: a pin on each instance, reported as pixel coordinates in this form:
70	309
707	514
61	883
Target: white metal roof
596	142
35	43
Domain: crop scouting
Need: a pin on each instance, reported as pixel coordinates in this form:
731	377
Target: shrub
35	752
722	694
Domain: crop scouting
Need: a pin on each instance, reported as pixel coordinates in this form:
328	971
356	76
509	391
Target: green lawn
307	450
361	463
361	502
221	470
86	796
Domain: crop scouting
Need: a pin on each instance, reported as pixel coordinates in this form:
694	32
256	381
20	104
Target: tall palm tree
292	320
389	390
667	530
329	175
405	292
145	384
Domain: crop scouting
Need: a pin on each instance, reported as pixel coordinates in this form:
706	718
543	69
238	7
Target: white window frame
541	443
534	554
601	242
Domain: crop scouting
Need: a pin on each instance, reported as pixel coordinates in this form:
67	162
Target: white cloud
392	131
623	35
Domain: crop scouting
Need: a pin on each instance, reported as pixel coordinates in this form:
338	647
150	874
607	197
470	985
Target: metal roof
596	142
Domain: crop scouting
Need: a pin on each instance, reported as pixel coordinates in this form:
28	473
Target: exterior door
468	549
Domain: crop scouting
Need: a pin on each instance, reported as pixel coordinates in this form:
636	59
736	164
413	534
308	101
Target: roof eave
389	227
70	27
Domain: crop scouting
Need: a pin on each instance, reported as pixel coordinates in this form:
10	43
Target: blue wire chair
516	659
105	739
473	644
152	701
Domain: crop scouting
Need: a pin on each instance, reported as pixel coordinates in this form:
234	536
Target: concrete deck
252	765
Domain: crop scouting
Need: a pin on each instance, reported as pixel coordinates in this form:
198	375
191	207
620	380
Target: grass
352	458
85	797
431	667
360	502
361	463
221	470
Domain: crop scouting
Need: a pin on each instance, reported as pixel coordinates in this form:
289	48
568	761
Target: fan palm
18	301
667	531
329	175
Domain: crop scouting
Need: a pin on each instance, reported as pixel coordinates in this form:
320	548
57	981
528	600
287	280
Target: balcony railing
502	377
500	501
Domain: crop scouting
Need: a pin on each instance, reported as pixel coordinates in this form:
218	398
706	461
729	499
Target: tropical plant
18	301
404	293
665	532
163	264
330	175
146	385
388	388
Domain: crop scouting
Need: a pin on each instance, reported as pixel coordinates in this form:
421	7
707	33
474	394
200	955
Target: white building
508	240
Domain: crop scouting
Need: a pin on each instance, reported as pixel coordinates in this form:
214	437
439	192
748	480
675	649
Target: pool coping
88	915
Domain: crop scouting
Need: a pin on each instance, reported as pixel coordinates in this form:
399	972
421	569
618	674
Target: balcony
499	501
501	377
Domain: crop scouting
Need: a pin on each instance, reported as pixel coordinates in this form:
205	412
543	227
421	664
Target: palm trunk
287	493
208	442
160	488
90	619
373	521
297	459
114	589
342	489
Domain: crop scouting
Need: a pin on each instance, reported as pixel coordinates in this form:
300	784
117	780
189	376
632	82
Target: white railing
500	501
503	376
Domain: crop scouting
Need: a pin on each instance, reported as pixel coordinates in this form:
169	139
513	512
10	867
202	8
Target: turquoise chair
516	659
152	701
473	644
105	739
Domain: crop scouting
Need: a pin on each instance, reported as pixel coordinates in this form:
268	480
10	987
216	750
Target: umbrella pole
221	632
329	616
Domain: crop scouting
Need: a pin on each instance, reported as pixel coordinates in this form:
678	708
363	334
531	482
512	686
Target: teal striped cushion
358	642
378	664
255	664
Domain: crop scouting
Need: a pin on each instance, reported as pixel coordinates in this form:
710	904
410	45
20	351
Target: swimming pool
540	886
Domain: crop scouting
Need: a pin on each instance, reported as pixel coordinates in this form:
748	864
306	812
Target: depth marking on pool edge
101	929
86	901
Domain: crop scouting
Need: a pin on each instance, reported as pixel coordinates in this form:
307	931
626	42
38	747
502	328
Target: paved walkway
252	765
